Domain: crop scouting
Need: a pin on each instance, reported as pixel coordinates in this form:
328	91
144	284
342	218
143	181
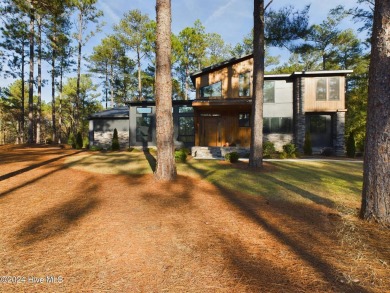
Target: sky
232	19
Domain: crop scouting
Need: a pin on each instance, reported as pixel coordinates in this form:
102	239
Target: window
244	84
269	91
318	124
328	88
334	89
211	91
144	129
186	109
186	129
244	120
144	110
277	125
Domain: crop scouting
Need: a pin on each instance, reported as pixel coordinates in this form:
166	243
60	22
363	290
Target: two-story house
219	116
294	104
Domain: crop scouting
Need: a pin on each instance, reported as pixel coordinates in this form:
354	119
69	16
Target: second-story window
269	91
211	91
244	81
328	89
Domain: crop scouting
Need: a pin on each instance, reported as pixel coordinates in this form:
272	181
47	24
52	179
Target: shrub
351	146
283	155
232	157
290	150
72	141
49	140
79	141
307	149
86	143
186	150
268	149
180	156
327	152
115	141
95	148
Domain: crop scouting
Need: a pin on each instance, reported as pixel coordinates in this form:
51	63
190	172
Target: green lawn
335	184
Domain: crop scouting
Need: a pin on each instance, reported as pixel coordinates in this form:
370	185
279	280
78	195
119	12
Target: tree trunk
139	76
256	147
53	94
166	168
30	138
112	84
77	102
60	107
106	85
39	110
376	178
21	134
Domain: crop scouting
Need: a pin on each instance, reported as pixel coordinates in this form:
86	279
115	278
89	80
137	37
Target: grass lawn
100	223
335	184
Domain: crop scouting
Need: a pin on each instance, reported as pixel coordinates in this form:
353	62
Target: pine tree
115	141
307	148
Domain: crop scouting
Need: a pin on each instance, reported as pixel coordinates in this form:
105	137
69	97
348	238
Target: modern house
102	125
294	104
219	116
136	125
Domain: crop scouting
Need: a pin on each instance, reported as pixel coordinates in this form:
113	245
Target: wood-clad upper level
320	91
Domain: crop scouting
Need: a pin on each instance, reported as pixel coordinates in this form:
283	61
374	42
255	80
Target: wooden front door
210	131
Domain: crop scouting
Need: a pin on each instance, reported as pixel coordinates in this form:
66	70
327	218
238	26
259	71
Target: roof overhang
222	104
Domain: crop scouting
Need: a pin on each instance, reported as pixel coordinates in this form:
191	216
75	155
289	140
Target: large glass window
321	89
269	91
244	84
186	109
144	129
244	120
211	91
277	125
144	110
328	88
318	124
334	89
186	129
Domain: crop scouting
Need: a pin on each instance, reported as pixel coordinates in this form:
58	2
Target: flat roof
118	112
232	61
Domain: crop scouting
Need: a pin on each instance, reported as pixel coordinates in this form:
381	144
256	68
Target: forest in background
56	32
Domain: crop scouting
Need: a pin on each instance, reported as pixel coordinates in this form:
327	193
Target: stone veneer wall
279	139
104	139
338	136
299	114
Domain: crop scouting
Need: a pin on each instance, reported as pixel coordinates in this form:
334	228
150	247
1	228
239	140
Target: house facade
219	116
102	125
294	104
136	125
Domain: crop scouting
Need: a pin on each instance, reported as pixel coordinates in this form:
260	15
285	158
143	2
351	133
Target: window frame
244	120
327	92
247	83
270	101
212	96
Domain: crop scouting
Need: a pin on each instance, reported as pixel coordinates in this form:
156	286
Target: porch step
217	152
206	152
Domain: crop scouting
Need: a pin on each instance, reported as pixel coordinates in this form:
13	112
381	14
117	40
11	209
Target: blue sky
232	19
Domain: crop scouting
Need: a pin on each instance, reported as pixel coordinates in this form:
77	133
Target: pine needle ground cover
95	221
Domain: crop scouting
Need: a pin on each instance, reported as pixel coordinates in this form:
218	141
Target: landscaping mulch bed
67	230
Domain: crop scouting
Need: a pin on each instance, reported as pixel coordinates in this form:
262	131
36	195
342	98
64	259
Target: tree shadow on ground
294	232
34	166
58	220
150	158
57	169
